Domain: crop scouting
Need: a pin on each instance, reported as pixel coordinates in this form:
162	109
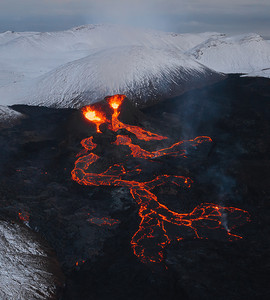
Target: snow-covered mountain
82	65
31	54
238	54
143	74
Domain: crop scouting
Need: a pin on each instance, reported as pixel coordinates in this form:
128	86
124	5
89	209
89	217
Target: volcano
154	216
133	197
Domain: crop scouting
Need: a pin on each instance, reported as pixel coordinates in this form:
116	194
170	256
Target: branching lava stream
153	235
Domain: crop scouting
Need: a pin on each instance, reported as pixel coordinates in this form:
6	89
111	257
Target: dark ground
38	155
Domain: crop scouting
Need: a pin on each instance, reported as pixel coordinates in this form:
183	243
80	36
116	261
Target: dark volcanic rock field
38	154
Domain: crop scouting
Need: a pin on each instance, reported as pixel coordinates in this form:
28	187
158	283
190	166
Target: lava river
153	234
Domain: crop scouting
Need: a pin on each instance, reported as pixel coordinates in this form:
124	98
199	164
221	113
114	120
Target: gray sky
229	16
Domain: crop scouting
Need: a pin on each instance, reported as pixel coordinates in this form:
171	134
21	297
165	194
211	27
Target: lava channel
153	235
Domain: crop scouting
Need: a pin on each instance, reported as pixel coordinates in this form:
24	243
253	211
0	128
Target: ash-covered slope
28	269
145	75
238	54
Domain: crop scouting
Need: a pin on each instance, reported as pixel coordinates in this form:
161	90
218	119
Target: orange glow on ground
153	235
79	263
24	216
104	221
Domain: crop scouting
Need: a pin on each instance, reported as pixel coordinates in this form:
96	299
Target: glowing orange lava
98	117
104	221
94	116
79	263
154	232
116	101
140	133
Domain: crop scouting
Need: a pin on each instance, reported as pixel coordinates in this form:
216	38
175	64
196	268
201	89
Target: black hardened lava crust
38	155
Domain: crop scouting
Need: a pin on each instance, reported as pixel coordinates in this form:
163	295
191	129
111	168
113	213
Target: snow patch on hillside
8	116
259	73
24	265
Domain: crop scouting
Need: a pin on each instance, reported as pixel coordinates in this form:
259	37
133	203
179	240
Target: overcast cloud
229	16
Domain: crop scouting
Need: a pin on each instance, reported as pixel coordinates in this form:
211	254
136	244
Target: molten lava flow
177	149
94	116
115	101
154	232
141	134
104	221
